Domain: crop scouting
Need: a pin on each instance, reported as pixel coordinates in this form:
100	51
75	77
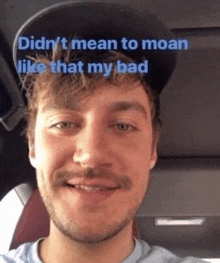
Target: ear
153	156
32	157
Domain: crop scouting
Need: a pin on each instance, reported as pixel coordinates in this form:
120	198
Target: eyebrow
117	106
128	105
54	106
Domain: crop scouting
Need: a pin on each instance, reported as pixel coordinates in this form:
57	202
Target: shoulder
26	253
162	255
168	256
16	255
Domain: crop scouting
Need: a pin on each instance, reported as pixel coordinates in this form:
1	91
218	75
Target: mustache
61	177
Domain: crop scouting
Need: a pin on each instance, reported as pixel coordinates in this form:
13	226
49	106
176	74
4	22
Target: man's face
93	161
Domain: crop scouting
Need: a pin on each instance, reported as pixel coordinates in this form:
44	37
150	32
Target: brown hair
63	89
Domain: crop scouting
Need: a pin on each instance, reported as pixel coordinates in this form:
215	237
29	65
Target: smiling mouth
93	188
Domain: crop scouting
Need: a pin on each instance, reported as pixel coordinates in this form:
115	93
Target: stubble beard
87	235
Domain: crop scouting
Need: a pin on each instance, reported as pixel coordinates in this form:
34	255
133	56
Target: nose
91	147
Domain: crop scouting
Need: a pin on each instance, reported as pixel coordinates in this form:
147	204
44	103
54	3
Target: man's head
92	131
102	144
93	139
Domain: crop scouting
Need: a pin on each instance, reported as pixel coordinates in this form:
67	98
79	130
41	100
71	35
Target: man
92	138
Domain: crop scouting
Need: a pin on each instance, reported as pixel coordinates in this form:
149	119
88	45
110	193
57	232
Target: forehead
116	98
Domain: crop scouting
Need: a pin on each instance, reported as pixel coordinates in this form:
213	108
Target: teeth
91	188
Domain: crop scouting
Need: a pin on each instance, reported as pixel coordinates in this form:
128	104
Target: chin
95	232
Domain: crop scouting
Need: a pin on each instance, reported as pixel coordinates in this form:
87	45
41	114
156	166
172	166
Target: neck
58	248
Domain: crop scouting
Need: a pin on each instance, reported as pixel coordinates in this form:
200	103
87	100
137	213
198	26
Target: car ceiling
190	104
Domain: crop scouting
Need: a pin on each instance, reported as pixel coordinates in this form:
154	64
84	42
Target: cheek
137	151
137	156
50	151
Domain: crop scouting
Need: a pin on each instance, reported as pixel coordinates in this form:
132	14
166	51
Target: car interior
181	210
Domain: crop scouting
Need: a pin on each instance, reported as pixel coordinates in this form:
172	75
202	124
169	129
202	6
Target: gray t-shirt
142	253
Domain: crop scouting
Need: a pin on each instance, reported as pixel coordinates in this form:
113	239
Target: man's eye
124	127
64	125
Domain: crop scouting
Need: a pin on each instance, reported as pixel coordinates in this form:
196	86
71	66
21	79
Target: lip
90	197
94	183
